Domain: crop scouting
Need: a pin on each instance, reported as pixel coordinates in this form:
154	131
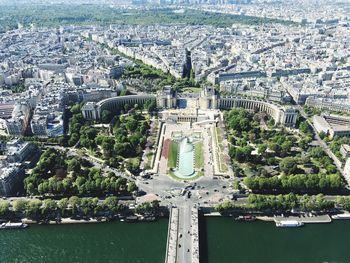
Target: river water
230	241
223	240
116	242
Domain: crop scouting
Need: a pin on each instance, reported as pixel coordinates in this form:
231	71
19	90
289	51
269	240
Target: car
141	193
146	176
233	197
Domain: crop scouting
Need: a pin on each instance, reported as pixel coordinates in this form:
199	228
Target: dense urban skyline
140	110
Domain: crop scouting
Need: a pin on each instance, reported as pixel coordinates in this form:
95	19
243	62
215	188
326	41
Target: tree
262	148
29	187
239	155
331	168
131	124
33	209
74	138
150	105
304	127
251	182
106	116
62	204
76	109
274	147
107	147
87	205
317	152
286	147
74	202
124	92
111	203
271	122
149	208
288	165
335	181
322	135
73	165
4	208
132	187
19	205
303	144
237	185
49	207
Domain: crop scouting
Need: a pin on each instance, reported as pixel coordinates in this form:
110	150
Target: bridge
183	235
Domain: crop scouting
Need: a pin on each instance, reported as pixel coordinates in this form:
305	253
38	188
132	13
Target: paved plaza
186	129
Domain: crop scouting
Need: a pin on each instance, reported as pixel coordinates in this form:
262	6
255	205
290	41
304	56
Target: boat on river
131	219
341	216
289	223
10	225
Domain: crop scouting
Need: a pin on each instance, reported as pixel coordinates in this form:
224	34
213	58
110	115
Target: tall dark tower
186	72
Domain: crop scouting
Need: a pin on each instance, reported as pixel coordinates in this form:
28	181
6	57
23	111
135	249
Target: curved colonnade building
282	115
286	116
93	111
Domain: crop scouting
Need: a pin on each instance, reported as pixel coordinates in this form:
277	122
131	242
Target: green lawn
220	152
134	161
192	90
199	156
172	158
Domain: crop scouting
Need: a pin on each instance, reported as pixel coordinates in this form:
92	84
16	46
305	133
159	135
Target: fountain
185	160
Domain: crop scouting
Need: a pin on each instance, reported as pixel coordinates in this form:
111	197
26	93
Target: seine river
222	241
116	242
262	242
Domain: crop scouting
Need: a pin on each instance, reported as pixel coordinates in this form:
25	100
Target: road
184	251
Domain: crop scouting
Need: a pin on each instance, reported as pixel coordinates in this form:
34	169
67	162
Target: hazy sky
115	2
16	2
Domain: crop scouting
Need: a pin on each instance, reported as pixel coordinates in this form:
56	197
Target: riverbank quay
65	221
314	219
306	218
122	218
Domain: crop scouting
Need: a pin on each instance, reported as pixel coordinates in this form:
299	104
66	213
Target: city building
19	151
11	179
17	124
207	100
332	125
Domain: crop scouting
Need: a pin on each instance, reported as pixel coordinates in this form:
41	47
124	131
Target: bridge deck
183	236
